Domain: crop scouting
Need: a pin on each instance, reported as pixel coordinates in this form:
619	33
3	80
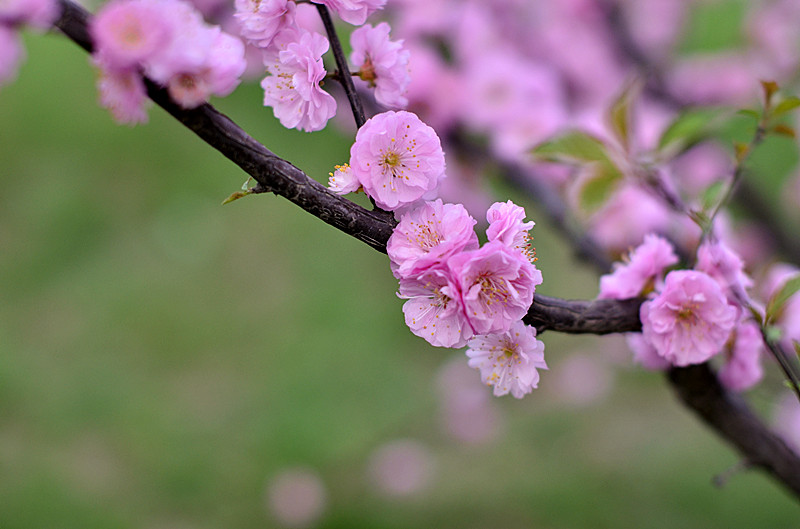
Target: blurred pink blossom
296	497
382	63
641	270
742	367
402	467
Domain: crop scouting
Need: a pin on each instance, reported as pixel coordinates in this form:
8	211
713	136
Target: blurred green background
164	358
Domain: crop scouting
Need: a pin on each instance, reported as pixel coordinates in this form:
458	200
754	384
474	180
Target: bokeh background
168	362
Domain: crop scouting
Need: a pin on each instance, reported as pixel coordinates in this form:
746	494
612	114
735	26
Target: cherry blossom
428	235
690	320
643	269
496	284
397	158
508	361
382	63
293	87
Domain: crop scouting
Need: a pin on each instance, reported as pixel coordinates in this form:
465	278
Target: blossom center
492	290
427	236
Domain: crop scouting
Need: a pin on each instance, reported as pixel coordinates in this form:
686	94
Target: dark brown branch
696	385
341	64
600	316
730	417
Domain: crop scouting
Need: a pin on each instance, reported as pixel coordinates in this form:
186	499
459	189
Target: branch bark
696	385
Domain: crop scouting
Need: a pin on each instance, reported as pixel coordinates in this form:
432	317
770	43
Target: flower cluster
690	316
170	43
461	294
14	14
292	54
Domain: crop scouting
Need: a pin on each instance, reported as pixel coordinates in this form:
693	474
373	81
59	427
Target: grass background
162	356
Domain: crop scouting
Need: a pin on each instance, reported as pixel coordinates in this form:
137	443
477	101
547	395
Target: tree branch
696	385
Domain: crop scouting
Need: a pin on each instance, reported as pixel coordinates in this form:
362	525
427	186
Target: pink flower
434	310
382	63
690	320
719	261
353	11
261	20
40	14
508	361
342	181
397	158
496	285
123	93
428	235
645	265
293	88
219	75
742	368
506	225
128	32
644	353
189	46
11	54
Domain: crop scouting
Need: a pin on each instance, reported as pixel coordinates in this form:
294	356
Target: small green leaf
769	88
689	128
572	147
757	316
750	113
796	345
741	150
236	196
712	195
773	334
619	115
787	105
784	130
778	300
598	186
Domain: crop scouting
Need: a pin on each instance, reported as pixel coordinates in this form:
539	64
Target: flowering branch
345	77
696	385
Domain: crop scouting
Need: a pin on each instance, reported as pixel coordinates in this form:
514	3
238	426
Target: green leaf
750	113
598	186
619	115
689	128
787	105
236	196
784	130
796	345
712	195
779	299
573	147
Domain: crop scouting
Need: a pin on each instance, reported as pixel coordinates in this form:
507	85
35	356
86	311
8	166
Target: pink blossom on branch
506	225
690	320
397	158
353	11
40	14
293	87
496	284
261	20
127	33
641	272
382	63
123	93
508	361
342	181
434	310
428	235
742	368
